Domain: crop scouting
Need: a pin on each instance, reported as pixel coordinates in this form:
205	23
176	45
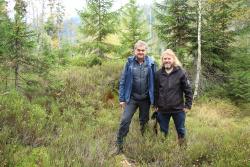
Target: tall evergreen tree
174	21
4	32
217	37
133	27
98	21
238	86
20	41
4	21
54	22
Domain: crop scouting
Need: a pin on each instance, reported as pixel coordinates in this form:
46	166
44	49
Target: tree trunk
198	72
16	76
100	54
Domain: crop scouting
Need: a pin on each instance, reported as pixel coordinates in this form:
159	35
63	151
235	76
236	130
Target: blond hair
170	52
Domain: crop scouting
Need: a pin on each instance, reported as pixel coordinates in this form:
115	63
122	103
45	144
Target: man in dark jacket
173	94
136	90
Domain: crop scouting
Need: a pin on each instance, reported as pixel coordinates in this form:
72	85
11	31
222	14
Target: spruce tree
20	42
133	27
4	32
54	23
217	37
175	26
98	21
4	22
238	87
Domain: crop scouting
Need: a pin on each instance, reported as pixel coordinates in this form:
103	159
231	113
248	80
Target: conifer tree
54	22
133	27
217	38
174	21
4	21
20	41
4	32
98	22
238	86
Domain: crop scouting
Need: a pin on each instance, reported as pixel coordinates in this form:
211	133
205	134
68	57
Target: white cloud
71	6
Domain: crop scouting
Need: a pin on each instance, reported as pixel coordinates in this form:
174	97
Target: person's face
168	61
140	52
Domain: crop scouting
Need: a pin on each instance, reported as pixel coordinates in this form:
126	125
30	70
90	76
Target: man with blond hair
173	94
136	90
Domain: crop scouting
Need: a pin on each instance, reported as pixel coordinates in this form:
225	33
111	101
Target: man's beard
168	66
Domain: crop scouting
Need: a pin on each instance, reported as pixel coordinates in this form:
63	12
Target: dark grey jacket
170	90
140	81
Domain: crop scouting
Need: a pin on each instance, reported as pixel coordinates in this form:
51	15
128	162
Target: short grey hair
140	43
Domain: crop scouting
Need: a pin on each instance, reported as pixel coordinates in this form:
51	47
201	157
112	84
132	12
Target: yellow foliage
113	39
55	43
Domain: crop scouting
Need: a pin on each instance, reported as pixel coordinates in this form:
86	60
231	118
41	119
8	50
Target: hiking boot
182	142
119	149
142	131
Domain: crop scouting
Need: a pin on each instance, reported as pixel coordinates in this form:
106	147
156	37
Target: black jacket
170	90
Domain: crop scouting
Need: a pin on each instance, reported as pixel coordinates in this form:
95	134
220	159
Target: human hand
122	104
186	110
156	109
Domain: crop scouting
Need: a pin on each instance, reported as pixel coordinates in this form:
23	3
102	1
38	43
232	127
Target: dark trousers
179	121
130	109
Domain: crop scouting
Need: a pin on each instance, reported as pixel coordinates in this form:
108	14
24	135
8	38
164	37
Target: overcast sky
71	6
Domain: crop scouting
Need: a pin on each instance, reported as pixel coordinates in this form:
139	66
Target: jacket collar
148	59
174	70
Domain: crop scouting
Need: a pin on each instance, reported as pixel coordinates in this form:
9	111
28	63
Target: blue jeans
179	121
130	109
